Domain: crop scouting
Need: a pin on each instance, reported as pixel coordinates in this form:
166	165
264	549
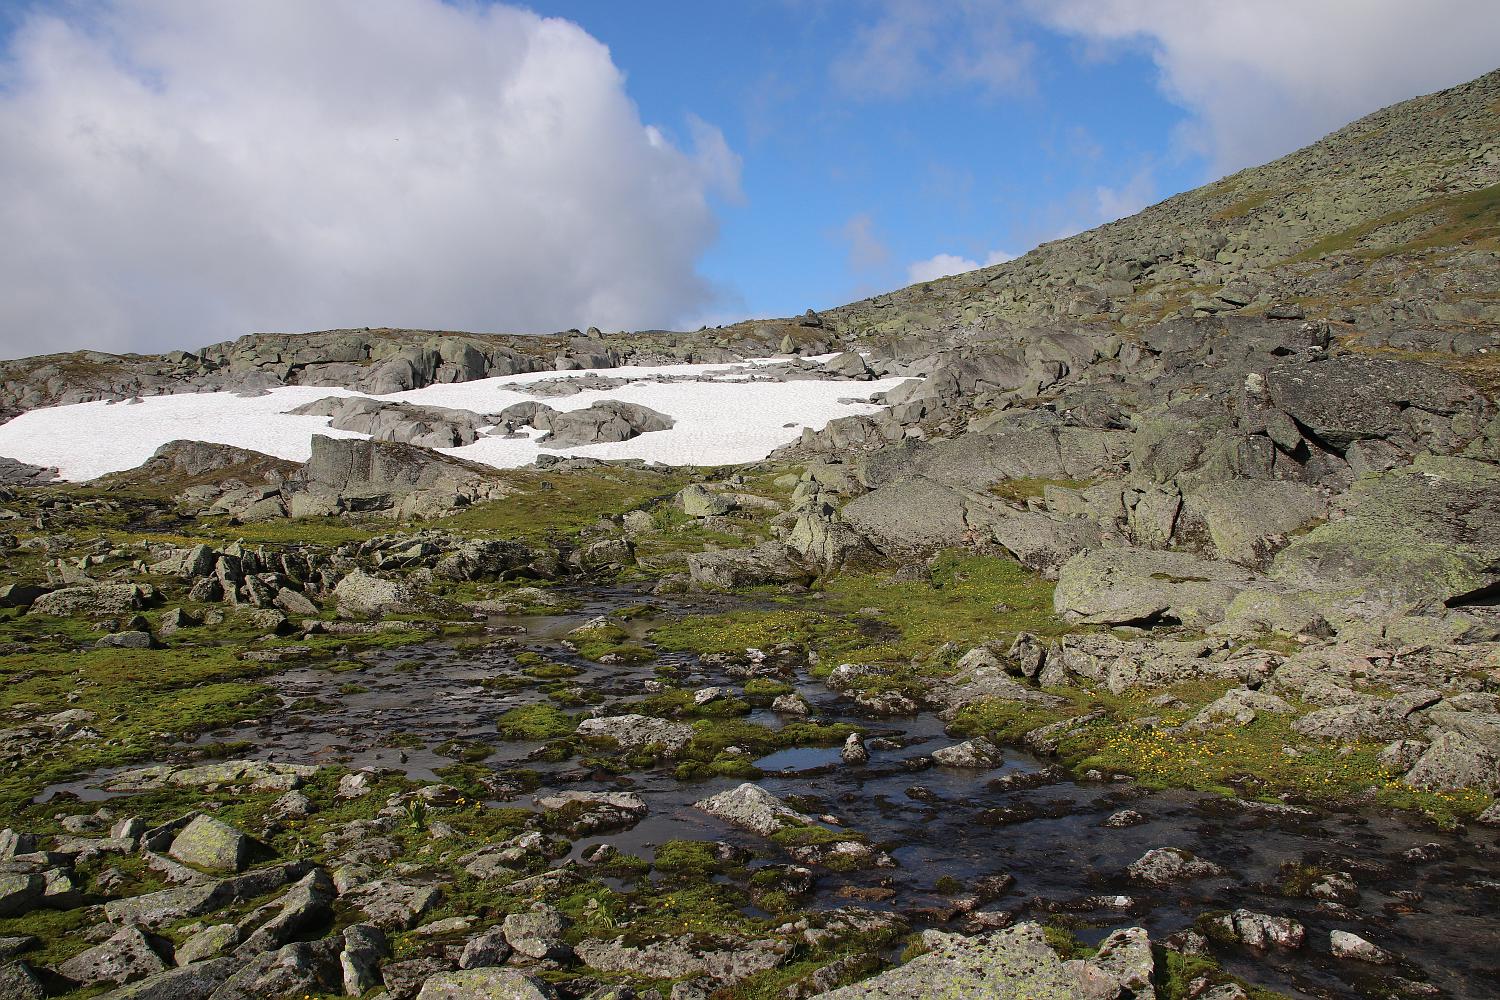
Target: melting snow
721	418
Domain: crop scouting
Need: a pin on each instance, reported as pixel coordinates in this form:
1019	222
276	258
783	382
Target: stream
1432	897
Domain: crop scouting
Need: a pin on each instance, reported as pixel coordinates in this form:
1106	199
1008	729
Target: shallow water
938	821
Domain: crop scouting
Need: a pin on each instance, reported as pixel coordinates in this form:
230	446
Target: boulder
191	982
1455	761
601	423
485	984
124	958
1164	865
17	981
634	733
1131	586
769	563
695	500
93	600
1012	964
753	808
360	595
1248	522
978	753
211	844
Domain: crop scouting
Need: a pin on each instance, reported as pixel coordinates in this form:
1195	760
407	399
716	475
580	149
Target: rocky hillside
1389	227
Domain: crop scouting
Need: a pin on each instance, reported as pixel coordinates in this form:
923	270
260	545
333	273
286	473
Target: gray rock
360	595
20	892
17	982
537	933
695	500
1011	964
486	950
1248	522
211	942
769	563
364	948
1124	586
124	958
485	984
1261	930
1455	761
753	808
854	751
601	423
208	843
638	732
978	753
1162	866
1346	944
192	982
95	600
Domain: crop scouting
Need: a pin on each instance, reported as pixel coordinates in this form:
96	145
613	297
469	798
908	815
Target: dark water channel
1431	897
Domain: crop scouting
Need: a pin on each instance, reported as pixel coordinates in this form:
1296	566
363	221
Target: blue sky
175	173
938	166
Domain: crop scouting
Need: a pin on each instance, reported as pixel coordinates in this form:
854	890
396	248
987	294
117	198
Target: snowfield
721	419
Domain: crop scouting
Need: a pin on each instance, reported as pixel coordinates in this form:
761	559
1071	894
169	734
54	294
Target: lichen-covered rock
1012	964
209	843
485	984
978	752
638	732
1455	761
1164	865
127	956
1124	586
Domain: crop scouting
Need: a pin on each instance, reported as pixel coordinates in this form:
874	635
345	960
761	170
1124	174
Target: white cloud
912	44
1113	203
177	172
1263	77
944	264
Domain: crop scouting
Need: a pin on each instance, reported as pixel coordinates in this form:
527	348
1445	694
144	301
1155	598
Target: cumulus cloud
1264	77
909	45
944	264
177	172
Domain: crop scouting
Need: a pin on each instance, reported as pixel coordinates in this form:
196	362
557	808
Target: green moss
874	618
811	836
536	722
687	857
561	504
764	689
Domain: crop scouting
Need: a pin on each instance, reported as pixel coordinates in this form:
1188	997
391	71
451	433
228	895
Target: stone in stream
978	752
1259	930
1164	865
753	808
854	751
587	813
638	732
1345	944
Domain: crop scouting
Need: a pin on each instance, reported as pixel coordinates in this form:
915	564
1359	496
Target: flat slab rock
1012	964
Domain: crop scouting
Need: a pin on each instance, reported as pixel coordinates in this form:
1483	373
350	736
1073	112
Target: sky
179	172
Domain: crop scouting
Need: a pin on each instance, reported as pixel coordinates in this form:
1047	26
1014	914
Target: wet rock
975	753
1123	819
638	732
753	808
1162	866
209	843
1259	930
588	813
854	751
125	957
1345	944
1338	887
485	984
537	933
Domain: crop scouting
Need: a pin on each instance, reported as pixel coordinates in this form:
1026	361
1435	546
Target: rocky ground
1145	644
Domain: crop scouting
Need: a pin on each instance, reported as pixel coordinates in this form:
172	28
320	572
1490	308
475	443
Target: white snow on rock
722	417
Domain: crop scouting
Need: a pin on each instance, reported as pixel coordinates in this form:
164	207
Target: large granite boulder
601	423
1123	586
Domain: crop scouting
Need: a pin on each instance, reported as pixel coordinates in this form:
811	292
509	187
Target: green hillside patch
1471	218
876	618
